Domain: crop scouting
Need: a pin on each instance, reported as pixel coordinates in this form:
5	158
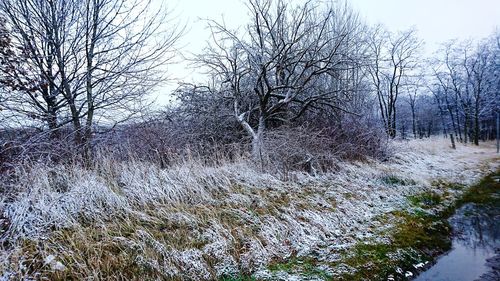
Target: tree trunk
476	123
457	115
498	132
393	122
466	127
90	40
452	118
414	125
476	129
258	148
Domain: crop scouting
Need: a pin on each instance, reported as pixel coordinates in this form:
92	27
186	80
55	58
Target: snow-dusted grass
135	220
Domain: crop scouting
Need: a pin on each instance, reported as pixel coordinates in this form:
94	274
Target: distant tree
485	83
414	86
466	78
393	57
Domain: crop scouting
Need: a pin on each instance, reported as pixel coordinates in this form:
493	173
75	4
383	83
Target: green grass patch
415	238
486	192
425	233
395	180
237	278
305	267
442	184
418	235
425	200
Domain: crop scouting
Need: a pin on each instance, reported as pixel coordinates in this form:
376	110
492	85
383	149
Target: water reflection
475	226
476	231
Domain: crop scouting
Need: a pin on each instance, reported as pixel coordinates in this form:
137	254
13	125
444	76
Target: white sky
436	21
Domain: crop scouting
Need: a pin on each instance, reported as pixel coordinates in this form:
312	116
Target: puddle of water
476	231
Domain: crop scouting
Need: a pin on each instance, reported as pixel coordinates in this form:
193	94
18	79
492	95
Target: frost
419	265
49	259
233	218
53	263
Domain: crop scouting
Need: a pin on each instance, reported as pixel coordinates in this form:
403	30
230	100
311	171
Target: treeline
297	86
456	92
466	86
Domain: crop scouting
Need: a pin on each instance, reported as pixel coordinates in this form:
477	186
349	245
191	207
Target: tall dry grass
127	217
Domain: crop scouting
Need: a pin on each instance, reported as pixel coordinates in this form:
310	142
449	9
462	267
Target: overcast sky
435	20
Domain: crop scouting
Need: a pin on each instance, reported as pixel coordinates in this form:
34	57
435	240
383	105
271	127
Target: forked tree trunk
258	148
257	135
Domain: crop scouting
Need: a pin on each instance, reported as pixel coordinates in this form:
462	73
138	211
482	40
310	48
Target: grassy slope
135	221
420	234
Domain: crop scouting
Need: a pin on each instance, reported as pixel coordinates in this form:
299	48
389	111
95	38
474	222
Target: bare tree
414	86
393	57
484	82
97	58
290	60
466	85
29	94
442	92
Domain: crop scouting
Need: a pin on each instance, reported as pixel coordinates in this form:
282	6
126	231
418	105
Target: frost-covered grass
137	221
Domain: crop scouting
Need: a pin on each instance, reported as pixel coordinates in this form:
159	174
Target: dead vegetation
130	220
